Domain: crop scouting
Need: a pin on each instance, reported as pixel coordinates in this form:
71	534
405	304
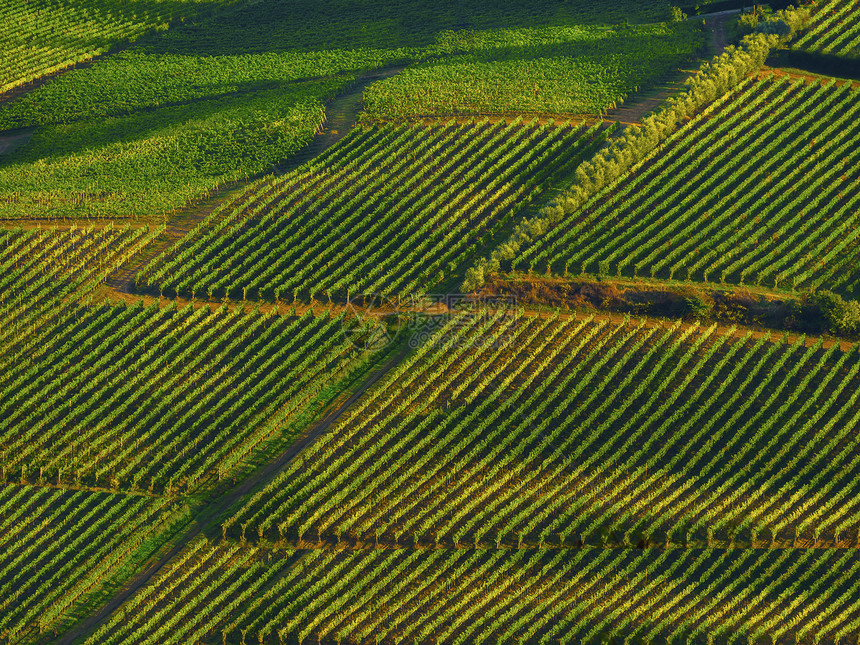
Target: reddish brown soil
614	300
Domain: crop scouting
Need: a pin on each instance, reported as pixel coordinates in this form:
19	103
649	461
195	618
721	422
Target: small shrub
843	316
676	15
698	306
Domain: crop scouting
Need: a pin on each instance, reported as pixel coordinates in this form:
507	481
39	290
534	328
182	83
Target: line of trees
714	79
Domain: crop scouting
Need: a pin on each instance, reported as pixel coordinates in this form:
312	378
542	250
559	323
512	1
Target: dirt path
638	108
210	516
11	140
341	114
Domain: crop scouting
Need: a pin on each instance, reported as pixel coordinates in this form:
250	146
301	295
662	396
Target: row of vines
392	209
761	189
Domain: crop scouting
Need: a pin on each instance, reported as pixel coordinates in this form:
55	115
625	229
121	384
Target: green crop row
46	274
506	432
388	210
225	594
149	398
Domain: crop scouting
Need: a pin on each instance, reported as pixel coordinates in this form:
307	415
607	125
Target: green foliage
43	36
133	82
716	78
153	161
524	595
843	316
60	548
775	27
676	15
699	306
569	70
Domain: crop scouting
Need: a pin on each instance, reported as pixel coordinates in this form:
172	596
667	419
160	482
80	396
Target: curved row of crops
393	209
143	397
834	30
60	547
764	189
49	35
232	594
505	432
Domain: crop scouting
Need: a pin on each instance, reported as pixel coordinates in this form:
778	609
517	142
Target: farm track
207	518
632	113
341	114
337	308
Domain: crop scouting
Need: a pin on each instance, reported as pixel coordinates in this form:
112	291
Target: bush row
714	79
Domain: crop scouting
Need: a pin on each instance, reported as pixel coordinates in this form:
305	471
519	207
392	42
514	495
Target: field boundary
210	514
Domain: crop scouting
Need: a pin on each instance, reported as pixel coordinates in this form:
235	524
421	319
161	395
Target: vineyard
391	209
163	399
61	546
158	159
242	400
158	127
762	188
494	596
138	397
540	432
563	70
835	30
50	35
46	273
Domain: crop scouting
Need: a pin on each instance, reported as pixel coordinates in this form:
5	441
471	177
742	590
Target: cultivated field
41	37
761	189
835	29
391	209
563	70
61	547
493	596
241	400
538	432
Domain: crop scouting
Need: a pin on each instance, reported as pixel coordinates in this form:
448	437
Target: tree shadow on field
63	140
335	24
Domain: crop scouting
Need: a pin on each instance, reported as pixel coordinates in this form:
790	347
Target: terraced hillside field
835	29
392	209
506	432
494	596
763	188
